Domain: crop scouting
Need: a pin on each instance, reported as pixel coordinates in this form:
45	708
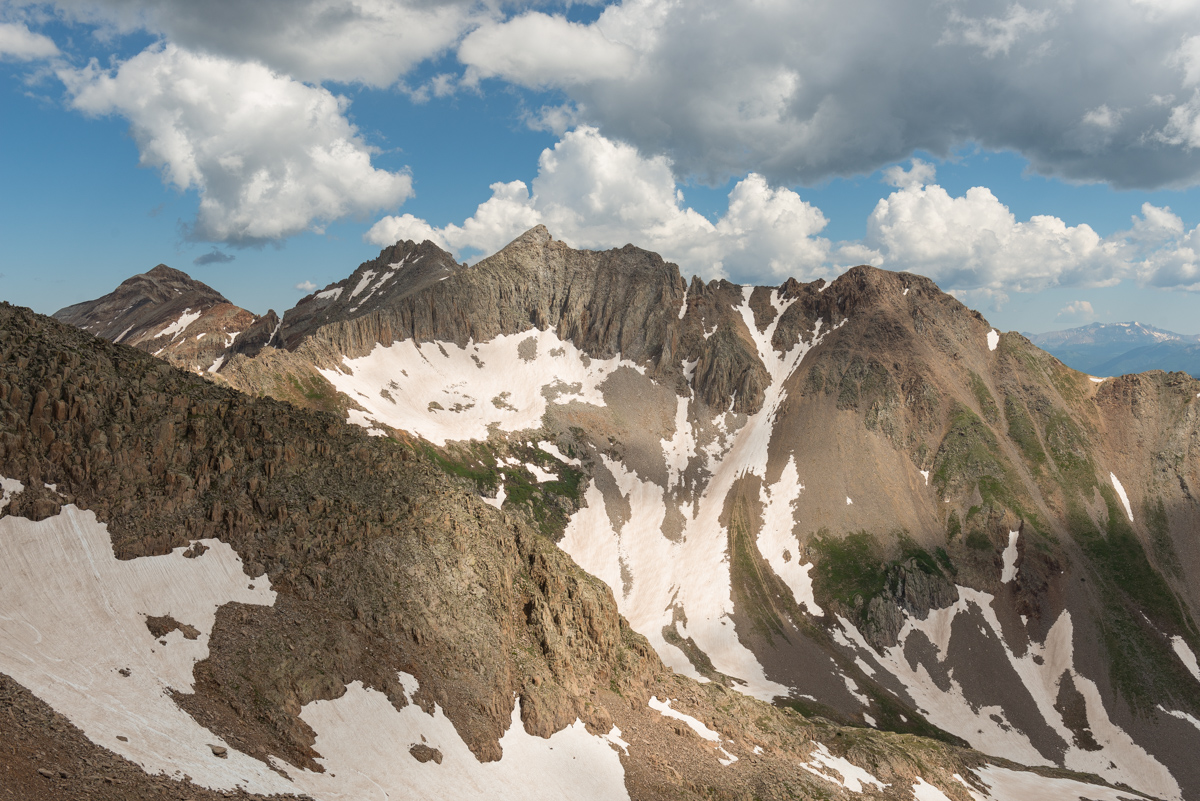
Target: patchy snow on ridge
180	325
442	392
8	488
364	745
659	582
498	501
664	709
1010	558
1040	669
552	449
924	791
846	773
1121	492
330	294
539	474
72	615
993	338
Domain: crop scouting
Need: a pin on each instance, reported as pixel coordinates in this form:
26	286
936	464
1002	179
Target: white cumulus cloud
1078	308
539	50
270	156
975	242
19	43
593	192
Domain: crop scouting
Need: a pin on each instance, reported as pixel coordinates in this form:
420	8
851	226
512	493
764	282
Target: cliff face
854	496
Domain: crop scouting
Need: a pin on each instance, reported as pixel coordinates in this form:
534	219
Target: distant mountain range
1106	349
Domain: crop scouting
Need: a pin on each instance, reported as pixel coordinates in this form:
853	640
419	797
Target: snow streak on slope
686	583
1116	482
442	392
365	745
72	617
664	709
776	542
1040	670
840	770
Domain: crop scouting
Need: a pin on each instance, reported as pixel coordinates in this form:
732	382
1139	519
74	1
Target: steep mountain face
167	313
232	594
1107	349
855	499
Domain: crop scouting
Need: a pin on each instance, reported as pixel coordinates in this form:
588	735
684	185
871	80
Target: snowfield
443	393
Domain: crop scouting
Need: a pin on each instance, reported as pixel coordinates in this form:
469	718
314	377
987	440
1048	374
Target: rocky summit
175	317
563	524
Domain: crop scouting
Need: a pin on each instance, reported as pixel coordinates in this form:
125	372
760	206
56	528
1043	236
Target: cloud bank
800	92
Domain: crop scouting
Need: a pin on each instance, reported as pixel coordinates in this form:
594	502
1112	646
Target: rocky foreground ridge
854	499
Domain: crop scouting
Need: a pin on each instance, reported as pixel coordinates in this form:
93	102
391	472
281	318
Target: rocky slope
169	314
205	591
854	499
1107	349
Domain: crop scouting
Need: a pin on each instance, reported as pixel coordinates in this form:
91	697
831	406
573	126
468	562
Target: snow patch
123	333
1010	558
364	744
498	501
1096	380
552	449
925	473
8	488
73	616
1121	492
180	325
330	294
924	791
993	338
1184	653
216	365
664	709
539	474
362	283
1175	713
845	772
848	501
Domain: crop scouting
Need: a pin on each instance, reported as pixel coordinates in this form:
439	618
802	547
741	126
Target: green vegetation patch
983	396
1022	431
968	451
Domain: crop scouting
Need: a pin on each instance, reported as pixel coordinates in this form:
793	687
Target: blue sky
1039	160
